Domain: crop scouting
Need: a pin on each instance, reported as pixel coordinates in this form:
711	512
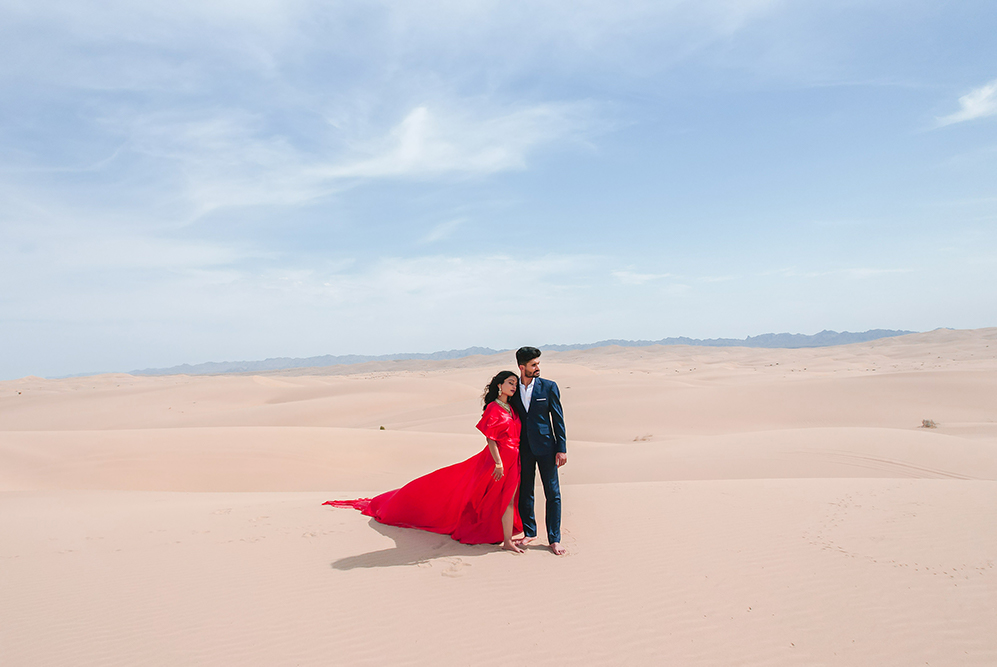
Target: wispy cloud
224	157
860	273
229	157
443	230
634	278
977	103
427	143
863	273
61	252
448	281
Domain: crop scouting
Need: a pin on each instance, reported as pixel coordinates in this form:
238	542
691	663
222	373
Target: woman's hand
494	451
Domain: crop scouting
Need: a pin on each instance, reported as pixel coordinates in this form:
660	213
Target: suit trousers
547	463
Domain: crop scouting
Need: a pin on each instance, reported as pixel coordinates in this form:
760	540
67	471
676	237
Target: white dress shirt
526	393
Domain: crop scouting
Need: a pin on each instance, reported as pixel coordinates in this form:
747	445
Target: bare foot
526	541
513	547
557	549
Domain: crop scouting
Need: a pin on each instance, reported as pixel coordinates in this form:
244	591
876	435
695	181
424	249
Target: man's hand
560	458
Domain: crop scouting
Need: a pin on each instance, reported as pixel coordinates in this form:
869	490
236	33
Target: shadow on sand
411	548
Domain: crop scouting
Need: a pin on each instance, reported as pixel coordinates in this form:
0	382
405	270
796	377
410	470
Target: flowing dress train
462	500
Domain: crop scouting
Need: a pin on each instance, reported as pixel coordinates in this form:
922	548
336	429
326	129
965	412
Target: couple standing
488	498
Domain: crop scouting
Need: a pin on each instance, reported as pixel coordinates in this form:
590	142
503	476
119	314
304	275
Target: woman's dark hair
525	355
491	391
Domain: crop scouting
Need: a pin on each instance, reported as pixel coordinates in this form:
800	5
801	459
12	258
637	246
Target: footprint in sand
223	511
456	568
309	535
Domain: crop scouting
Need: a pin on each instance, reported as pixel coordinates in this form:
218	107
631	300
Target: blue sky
207	181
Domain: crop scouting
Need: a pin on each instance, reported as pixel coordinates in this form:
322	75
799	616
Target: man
542	445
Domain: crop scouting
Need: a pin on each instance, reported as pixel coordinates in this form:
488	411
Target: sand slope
722	506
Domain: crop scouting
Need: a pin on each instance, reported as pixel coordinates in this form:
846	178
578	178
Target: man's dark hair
525	355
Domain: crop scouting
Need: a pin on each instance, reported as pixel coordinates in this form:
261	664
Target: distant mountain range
783	340
825	338
283	363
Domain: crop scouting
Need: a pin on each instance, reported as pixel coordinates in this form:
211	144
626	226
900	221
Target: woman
474	501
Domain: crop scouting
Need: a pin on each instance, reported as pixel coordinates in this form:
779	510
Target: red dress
462	500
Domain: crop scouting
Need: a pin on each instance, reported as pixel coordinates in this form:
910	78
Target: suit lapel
517	402
534	395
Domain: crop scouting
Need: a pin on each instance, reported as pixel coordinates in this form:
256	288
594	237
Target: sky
193	181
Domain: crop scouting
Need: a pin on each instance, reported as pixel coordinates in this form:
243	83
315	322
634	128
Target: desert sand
722	506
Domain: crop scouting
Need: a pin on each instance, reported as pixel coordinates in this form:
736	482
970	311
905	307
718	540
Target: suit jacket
543	419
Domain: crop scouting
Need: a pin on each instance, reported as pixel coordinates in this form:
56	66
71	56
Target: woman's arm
494	451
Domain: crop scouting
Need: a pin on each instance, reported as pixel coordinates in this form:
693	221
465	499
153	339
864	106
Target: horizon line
784	340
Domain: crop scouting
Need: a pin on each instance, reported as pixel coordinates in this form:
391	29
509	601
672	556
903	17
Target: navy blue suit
541	439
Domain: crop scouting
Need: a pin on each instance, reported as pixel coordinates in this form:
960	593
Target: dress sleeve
492	424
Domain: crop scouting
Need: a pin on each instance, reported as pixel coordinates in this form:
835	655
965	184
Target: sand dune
722	506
